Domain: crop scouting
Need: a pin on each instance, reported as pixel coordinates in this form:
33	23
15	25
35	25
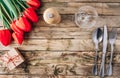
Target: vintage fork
112	38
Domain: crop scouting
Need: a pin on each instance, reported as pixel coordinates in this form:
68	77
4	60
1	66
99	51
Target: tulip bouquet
16	16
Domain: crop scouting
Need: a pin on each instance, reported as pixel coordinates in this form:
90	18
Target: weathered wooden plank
53	62
50	76
13	76
67	57
67	69
68	29
46	0
30	76
87	77
80	1
58	33
72	8
68	21
102	8
58	45
40	57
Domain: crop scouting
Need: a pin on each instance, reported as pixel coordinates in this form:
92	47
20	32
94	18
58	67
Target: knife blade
102	68
105	36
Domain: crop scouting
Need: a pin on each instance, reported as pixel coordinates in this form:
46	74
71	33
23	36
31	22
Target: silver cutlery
112	38
97	38
102	68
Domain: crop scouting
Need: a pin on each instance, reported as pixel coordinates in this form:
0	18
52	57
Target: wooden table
65	50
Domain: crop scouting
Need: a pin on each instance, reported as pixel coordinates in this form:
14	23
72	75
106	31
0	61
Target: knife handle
102	68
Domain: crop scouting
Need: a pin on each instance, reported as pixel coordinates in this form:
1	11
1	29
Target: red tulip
23	24
34	8
17	37
15	28
31	14
5	37
34	3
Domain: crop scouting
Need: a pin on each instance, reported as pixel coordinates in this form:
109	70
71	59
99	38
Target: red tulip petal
34	3
18	38
23	24
15	28
5	37
31	14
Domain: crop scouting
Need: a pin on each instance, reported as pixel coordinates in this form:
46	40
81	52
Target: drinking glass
86	17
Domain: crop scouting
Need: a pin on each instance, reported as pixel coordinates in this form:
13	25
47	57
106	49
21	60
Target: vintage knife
105	36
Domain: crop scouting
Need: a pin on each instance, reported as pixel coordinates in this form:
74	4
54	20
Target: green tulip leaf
11	7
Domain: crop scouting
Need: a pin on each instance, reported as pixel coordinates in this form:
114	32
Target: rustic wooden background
65	50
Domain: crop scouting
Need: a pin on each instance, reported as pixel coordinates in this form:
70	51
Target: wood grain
81	1
72	8
39	57
68	29
58	45
68	21
68	57
67	69
65	50
49	76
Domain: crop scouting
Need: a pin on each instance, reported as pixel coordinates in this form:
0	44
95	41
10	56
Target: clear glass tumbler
86	17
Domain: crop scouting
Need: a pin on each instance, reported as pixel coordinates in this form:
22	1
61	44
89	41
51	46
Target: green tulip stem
6	19
16	7
6	13
3	17
26	4
21	4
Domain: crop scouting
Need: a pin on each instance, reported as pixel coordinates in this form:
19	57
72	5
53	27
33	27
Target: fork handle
112	48
109	70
